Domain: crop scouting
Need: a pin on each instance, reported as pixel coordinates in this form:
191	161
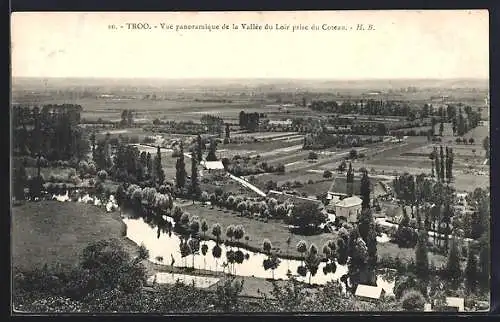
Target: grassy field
55	233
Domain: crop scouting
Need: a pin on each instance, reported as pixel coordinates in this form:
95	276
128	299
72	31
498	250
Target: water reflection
162	243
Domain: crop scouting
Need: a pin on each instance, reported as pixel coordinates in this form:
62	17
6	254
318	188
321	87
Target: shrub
312	156
413	300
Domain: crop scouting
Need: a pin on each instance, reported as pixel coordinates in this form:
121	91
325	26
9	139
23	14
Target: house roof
457	302
213	165
373	292
349	202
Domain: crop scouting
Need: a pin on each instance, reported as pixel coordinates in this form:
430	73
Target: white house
369	293
455	304
212	165
348	208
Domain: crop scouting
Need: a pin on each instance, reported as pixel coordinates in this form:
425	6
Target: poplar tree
471	271
159	173
350	181
199	154
365	190
422	255
195	188
441	170
180	167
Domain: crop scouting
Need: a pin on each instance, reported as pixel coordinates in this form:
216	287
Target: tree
350	181
365	190
199	154
204	251
412	301
342	166
353	154
329	250
422	256
217	231
19	182
227	294
486	146
312	261
301	247
272	261
312	156
230	232
239	232
484	261
306	216
436	163
204	227
449	163
441	128
216	253
159	173
228	135
405	236
211	152
111	267
471	271
195	185
194	246
120	196
453	270
441	169
327	174
471	141
180	167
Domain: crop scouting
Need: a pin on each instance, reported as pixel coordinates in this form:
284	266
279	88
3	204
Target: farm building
348	208
213	166
369	293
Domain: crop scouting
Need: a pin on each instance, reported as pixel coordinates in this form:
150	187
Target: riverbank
55	233
278	233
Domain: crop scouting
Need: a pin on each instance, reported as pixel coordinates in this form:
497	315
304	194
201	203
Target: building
369	293
213	166
287	122
455	304
348	208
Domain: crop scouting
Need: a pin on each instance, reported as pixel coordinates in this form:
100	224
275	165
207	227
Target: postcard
211	162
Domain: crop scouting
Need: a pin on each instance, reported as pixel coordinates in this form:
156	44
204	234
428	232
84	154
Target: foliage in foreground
108	280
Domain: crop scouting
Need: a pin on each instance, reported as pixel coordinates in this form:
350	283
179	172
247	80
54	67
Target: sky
403	44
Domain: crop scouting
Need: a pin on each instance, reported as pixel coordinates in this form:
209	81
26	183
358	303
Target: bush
312	156
413	301
327	174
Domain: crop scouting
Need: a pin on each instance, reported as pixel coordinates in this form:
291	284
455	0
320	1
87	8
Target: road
241	181
248	185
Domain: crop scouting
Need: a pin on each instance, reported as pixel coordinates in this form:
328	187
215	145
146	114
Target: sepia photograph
250	162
